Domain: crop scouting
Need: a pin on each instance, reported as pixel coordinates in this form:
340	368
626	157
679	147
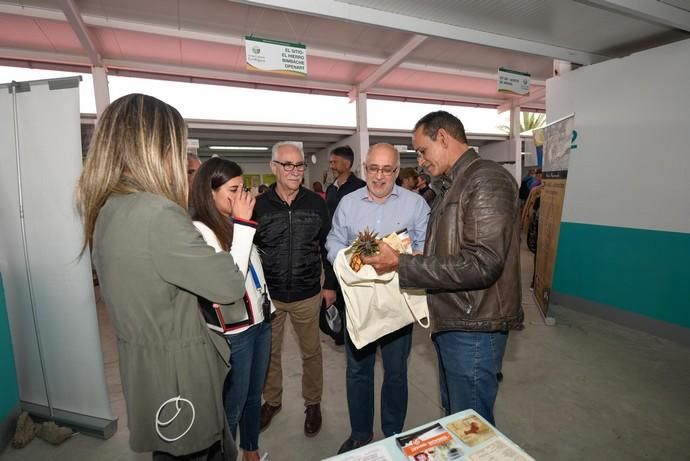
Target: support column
516	141
362	146
100	88
561	67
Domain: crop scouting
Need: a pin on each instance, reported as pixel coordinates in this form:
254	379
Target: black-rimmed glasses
291	166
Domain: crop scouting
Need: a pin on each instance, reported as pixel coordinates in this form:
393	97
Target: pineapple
366	244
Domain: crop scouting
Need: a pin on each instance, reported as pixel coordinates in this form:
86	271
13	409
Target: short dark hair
434	121
345	152
408	173
212	174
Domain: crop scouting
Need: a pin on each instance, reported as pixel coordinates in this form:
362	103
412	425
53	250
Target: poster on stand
559	139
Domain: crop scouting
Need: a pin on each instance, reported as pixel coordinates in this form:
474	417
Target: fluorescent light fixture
237	148
403	149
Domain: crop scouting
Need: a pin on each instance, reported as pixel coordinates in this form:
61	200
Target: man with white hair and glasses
293	223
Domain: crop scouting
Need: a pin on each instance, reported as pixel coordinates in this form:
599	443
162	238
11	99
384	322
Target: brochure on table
463	436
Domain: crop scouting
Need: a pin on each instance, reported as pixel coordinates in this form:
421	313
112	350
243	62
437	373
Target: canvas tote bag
374	304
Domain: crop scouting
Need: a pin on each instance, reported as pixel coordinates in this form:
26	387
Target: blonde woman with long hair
152	264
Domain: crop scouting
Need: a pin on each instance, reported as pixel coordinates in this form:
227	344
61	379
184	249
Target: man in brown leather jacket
470	267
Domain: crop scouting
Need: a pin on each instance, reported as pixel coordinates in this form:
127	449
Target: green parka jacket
152	263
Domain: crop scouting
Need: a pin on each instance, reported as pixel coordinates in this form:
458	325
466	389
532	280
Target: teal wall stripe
642	271
9	393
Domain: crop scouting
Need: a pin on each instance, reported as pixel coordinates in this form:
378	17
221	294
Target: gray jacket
152	263
471	262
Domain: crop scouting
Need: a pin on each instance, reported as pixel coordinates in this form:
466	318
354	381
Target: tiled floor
583	389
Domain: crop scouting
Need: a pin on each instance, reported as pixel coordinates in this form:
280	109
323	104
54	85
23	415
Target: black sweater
291	241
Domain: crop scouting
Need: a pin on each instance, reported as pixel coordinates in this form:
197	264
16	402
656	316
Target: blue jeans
467	366
249	353
395	349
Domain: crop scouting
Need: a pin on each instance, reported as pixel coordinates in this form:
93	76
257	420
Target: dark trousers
395	350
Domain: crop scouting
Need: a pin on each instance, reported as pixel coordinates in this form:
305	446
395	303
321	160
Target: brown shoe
267	414
312	422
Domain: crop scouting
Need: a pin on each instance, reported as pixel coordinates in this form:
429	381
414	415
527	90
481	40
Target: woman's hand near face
242	204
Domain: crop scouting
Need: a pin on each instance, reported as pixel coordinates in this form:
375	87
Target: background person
152	263
525	185
340	162
408	179
425	190
537	180
318	188
193	164
222	209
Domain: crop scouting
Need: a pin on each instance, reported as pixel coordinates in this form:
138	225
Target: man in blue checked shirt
385	208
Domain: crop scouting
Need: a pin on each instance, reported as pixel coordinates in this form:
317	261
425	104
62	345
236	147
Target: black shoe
499	376
351	444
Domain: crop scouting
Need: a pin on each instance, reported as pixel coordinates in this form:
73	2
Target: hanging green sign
275	56
512	81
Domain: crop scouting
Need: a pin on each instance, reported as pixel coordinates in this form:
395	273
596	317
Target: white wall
631	167
498	151
256	167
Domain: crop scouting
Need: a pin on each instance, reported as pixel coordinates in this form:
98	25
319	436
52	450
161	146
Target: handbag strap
419	321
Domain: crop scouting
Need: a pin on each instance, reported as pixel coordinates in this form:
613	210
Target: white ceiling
578	26
347	39
449	50
580	31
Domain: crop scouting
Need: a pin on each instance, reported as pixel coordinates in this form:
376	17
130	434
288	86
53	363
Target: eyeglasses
385	170
291	166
